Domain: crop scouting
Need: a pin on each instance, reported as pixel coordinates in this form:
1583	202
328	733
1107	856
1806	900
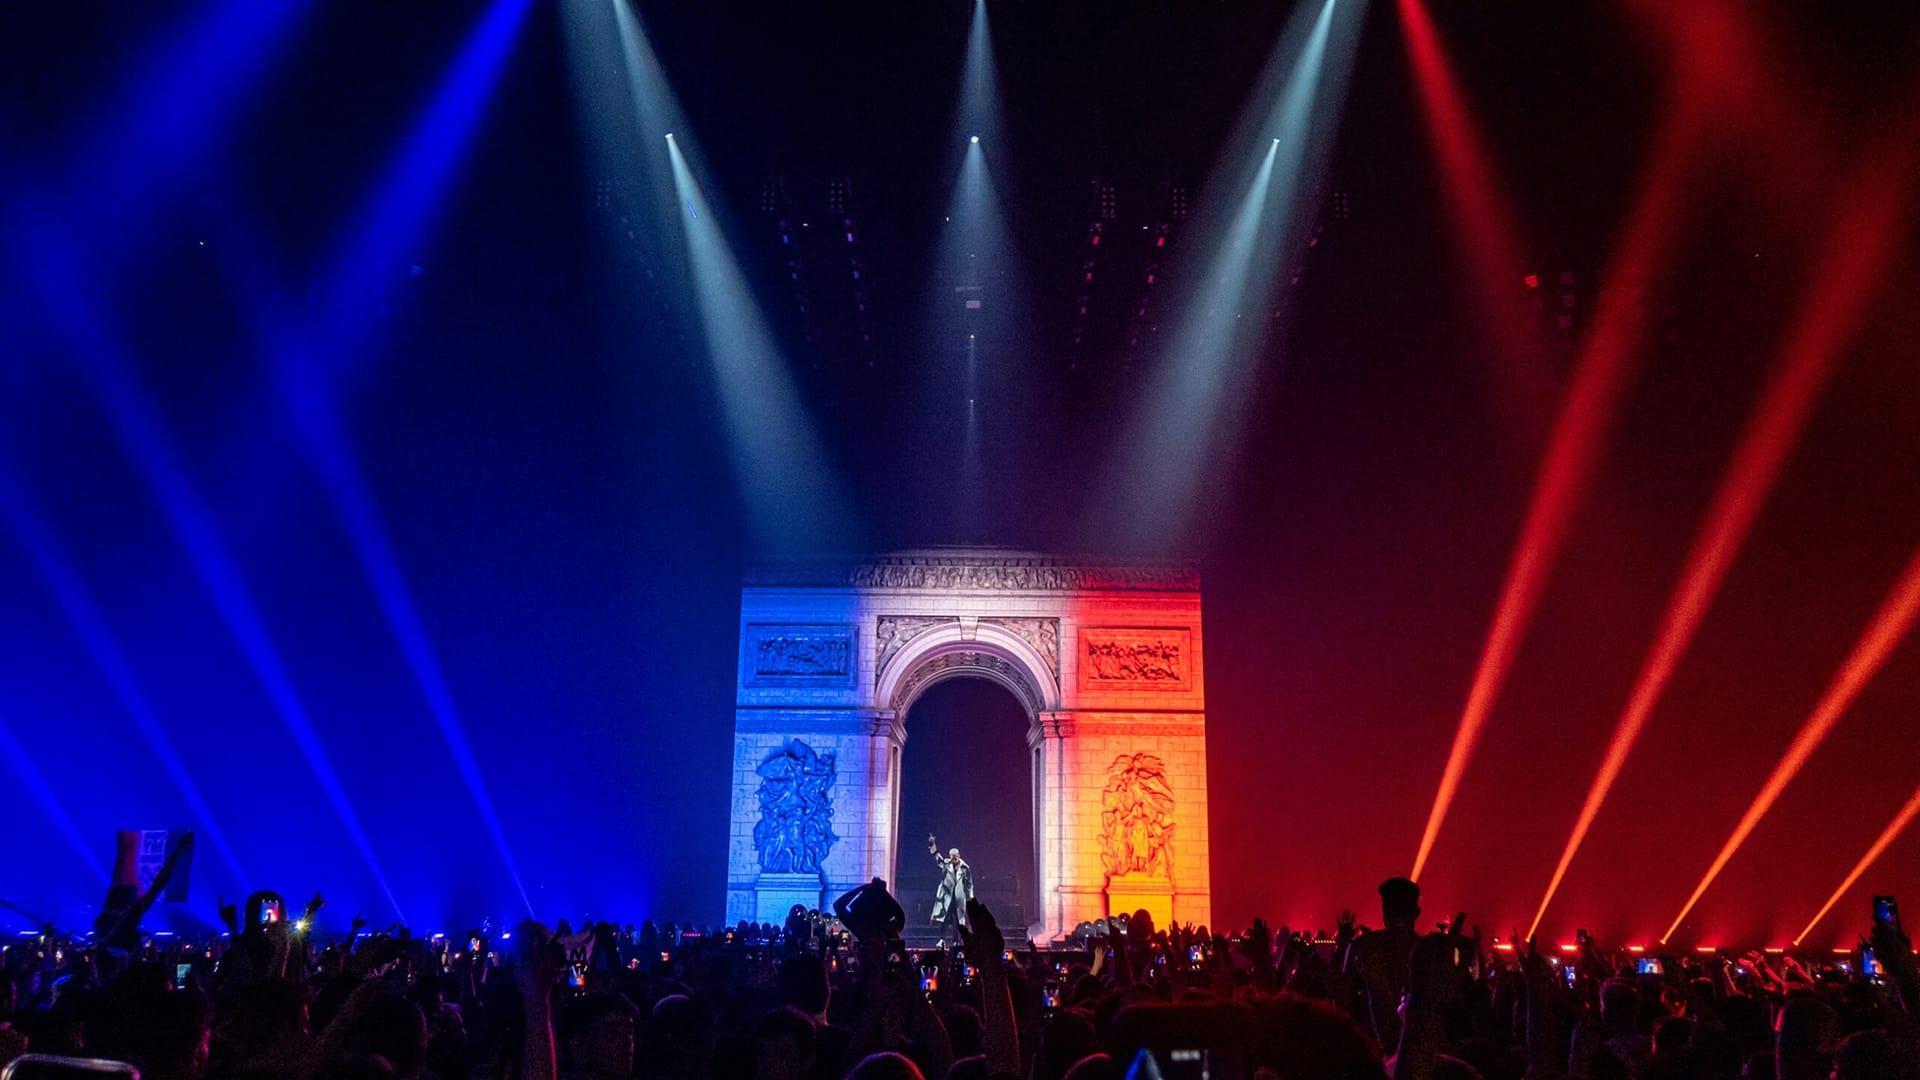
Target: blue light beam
180	96
36	786
23	520
137	424
353	504
394	218
318	430
403	203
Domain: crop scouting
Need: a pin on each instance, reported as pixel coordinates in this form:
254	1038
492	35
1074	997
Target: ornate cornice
977	570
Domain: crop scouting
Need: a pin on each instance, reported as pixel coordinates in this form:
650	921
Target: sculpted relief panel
1136	818
892	632
1042	634
1136	659
795	831
788	655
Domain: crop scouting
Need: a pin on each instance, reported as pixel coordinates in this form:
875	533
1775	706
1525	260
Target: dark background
544	449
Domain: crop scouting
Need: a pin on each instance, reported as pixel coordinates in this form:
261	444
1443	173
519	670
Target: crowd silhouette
838	994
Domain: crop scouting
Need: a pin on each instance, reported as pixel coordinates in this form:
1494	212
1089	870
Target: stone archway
966	648
966	776
1105	657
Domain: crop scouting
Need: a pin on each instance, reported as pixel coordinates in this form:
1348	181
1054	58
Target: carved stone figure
1136	818
892	632
795	831
1042	634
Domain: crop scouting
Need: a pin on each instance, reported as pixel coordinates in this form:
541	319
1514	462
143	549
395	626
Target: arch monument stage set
1105	657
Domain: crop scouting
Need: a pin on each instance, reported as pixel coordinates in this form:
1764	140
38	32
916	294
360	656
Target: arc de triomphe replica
1105	657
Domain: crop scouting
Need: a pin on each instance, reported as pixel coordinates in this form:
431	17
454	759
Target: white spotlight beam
787	483
793	501
1258	211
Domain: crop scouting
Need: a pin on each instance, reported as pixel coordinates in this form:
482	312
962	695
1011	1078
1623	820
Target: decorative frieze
957	572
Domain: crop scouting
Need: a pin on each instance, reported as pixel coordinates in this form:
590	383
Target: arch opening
966	778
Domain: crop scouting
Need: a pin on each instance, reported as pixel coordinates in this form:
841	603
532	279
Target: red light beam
1476	203
1730	51
1887	836
1607	363
1872	219
1890	624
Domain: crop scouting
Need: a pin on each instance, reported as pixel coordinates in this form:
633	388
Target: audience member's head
1097	1066
964	1030
597	1035
165	1033
886	1066
263	1024
804	985
783	1044
1805	1033
970	1067
1620	1002
390	1026
1399	903
1672	1035
1067	1038
1870	1055
679	1033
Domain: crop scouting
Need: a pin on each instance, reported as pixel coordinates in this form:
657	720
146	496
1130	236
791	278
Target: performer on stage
956	888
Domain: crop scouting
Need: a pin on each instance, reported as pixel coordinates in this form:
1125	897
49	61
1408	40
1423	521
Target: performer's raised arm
932	848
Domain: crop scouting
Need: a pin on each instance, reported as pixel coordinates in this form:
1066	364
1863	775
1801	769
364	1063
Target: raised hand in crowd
1439	970
986	949
541	962
693	1003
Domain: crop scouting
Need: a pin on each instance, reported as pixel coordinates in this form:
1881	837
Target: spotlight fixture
669	135
974	139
